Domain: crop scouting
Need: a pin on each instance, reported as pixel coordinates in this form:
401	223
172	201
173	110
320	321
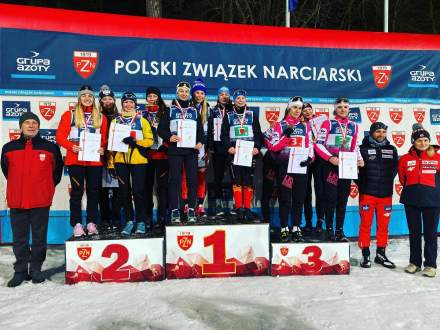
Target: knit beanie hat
106	91
198	85
26	116
85	89
419	132
153	90
239	92
377	125
129	96
223	89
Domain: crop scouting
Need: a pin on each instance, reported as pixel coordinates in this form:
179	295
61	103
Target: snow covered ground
375	298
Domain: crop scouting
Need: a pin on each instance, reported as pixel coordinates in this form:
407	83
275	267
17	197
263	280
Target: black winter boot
382	259
366	262
18	279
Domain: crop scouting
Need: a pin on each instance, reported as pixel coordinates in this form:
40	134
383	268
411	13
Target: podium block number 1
219	265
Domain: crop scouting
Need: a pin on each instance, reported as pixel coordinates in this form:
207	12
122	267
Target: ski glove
306	162
131	141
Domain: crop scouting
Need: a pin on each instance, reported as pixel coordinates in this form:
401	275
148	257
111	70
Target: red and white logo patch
84	252
398	138
47	109
396	115
185	240
373	113
322	111
72	105
284	251
85	62
272	114
14	134
42	157
419	114
354	191
382	75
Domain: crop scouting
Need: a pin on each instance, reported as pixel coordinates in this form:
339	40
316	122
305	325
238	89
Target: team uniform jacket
158	149
68	135
330	138
420	178
219	111
141	131
281	144
33	168
377	176
168	127
233	129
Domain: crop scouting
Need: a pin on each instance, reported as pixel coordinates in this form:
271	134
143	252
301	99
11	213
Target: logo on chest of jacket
42	157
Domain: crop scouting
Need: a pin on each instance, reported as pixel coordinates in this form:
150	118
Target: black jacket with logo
377	176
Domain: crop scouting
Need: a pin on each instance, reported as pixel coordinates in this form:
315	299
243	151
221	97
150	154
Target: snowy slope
375	298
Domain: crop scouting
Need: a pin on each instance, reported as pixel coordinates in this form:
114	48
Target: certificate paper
187	132
296	156
243	153
217	128
117	133
89	145
348	165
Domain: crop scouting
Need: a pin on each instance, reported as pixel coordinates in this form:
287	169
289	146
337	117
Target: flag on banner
293	4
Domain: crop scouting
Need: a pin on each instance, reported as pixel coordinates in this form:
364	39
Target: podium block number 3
219	264
113	271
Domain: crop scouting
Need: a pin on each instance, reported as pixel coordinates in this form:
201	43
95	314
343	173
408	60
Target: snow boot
365	262
382	259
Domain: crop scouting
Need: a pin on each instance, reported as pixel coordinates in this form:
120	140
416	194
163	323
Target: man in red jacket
32	167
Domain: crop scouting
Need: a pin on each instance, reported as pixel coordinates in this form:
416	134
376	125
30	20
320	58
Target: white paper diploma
348	165
316	123
217	128
243	153
89	145
296	156
116	134
187	132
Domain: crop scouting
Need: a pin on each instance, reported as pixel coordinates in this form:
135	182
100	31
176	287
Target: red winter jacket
32	169
420	178
66	141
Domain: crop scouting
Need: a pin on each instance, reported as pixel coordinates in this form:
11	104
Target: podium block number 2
113	271
219	264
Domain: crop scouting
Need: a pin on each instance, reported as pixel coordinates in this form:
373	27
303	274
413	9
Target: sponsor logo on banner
355	115
422	77
72	105
284	250
48	134
14	134
419	114
12	110
396	115
84	252
398	188
373	113
33	66
354	191
272	114
85	62
185	240
435	116
47	109
398	138
322	111
382	75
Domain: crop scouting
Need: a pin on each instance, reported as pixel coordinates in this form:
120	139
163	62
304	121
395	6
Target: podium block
217	251
119	260
310	259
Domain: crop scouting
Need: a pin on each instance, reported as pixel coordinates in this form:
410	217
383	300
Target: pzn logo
85	63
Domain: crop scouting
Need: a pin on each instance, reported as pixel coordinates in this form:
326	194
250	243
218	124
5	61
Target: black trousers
92	176
132	188
270	177
315	172
242	175
426	218
157	170
175	163
110	205
22	222
336	192
292	193
220	162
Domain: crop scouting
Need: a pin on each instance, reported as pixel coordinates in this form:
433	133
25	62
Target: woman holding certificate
419	175
292	144
241	134
182	128
83	133
336	145
131	165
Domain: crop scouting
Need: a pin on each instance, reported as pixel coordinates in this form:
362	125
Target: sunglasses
184	84
296	99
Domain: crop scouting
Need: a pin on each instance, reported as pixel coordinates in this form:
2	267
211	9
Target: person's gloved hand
288	131
131	141
306	162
